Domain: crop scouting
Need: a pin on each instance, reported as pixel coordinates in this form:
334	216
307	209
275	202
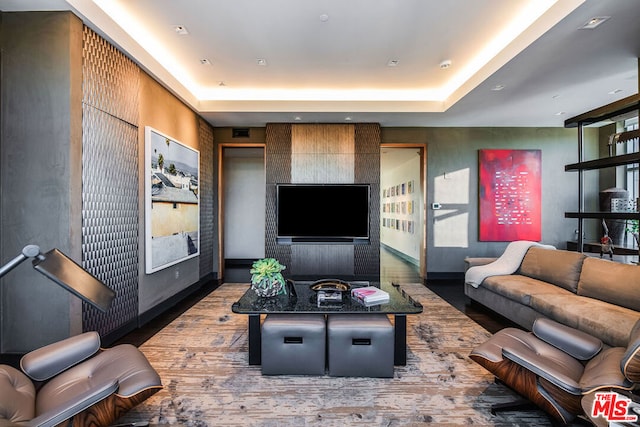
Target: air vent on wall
240	133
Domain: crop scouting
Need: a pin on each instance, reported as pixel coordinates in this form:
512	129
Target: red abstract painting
510	190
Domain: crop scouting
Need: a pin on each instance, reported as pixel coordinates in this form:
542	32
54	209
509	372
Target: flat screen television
322	213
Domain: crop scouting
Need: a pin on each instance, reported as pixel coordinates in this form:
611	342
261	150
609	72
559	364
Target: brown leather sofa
596	296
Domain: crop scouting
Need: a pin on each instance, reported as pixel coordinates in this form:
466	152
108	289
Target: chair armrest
578	344
50	360
549	363
68	409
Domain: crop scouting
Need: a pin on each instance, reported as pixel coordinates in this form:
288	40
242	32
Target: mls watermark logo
612	406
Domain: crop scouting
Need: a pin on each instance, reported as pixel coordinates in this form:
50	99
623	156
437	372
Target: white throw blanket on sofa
508	262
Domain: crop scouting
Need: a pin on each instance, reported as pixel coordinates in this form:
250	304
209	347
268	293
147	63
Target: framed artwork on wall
172	202
510	195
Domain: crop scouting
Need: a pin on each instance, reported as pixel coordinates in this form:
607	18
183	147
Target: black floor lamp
65	272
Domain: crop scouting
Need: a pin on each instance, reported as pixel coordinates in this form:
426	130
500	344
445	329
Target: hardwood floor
393	268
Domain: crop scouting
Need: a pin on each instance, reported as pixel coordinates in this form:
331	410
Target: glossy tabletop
305	300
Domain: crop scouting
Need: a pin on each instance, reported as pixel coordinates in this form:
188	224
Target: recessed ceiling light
297	118
324	17
445	64
615	91
393	63
181	29
261	61
347	119
205	61
594	22
560	113
497	88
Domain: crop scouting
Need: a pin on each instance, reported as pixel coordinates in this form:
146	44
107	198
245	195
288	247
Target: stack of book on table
370	295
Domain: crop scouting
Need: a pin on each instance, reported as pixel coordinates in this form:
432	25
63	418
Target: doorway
242	190
402	204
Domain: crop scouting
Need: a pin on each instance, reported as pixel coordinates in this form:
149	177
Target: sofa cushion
560	267
520	288
610	281
590	315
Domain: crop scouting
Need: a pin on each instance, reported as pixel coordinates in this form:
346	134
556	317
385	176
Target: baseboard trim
445	275
401	255
238	262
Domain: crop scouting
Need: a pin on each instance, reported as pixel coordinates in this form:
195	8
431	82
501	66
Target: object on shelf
615	227
619	138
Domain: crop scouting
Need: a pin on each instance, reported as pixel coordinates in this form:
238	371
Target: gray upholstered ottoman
360	345
294	344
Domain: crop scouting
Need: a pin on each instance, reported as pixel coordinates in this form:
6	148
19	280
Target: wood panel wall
324	154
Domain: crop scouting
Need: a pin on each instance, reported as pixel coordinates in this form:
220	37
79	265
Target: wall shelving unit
626	106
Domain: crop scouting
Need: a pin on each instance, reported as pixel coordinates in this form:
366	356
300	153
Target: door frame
221	183
422	147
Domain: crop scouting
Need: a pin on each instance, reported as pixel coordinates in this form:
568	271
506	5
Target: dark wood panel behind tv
321	154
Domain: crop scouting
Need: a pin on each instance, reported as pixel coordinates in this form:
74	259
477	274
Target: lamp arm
29	251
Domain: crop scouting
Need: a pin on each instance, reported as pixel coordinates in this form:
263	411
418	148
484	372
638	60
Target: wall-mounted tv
322	213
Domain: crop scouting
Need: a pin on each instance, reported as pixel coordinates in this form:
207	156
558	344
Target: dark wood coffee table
305	300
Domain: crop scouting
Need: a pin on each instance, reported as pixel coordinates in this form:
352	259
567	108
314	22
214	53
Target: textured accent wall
208	203
324	153
278	170
367	170
110	181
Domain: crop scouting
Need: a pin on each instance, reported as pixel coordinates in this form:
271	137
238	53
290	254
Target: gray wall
40	179
452	156
453	164
62	174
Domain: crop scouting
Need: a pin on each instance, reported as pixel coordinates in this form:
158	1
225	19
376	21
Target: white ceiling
327	60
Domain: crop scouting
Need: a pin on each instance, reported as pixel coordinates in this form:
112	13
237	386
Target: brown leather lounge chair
555	366
75	382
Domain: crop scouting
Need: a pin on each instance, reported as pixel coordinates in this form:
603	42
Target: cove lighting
130	31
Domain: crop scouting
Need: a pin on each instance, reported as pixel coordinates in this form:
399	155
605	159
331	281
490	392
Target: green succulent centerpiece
266	277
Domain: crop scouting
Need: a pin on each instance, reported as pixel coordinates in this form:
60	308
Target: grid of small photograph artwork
399	207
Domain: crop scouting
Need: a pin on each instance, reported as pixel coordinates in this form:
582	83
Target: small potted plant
266	277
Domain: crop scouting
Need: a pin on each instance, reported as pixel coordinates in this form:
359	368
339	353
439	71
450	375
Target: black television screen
322	213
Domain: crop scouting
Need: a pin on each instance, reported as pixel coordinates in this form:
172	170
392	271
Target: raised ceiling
248	62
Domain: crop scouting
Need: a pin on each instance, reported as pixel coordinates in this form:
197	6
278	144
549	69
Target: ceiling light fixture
205	61
297	118
615	91
445	64
393	63
324	17
347	119
221	83
497	88
262	62
594	22
560	113
181	29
